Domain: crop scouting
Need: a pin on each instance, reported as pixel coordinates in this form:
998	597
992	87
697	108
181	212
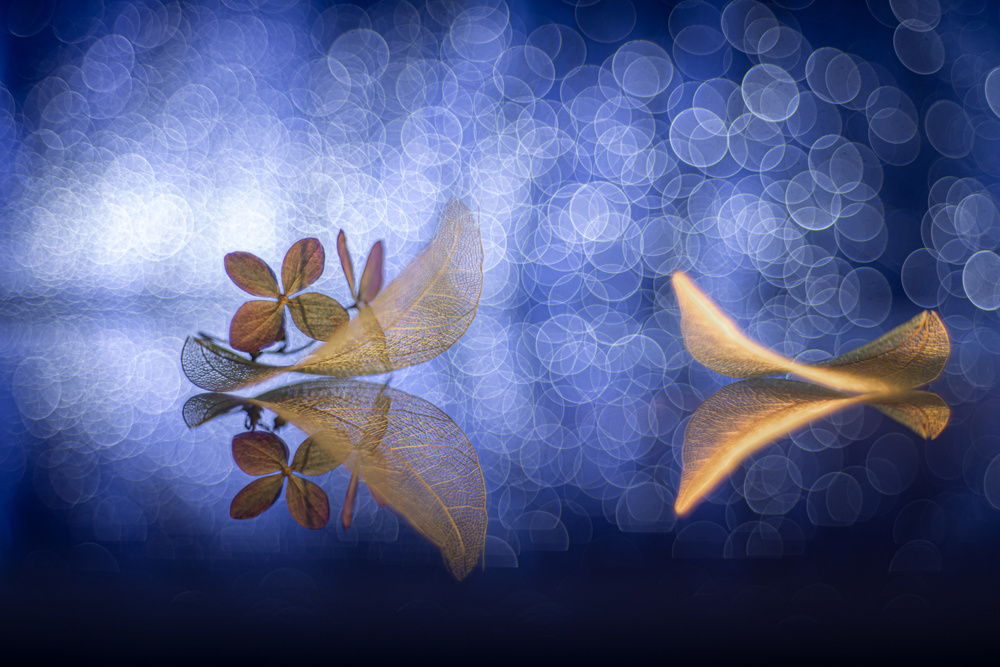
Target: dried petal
303	265
345	262
259	452
307	502
256	497
252	274
371	279
256	325
321	453
317	315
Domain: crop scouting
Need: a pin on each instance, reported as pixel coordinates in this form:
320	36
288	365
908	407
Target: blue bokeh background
823	170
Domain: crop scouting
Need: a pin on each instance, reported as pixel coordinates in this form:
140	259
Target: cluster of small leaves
259	324
263	453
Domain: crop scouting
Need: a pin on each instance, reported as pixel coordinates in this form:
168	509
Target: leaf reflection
411	455
416	317
745	416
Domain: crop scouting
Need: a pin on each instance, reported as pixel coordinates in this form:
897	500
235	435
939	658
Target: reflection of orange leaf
258	324
744	416
416	317
412	455
910	355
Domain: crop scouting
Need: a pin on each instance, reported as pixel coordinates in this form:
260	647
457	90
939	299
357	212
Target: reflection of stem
352	495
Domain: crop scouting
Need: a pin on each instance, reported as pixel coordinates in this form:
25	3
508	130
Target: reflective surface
825	172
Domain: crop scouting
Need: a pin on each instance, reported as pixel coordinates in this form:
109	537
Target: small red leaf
317	315
347	511
256	325
307	502
371	279
256	497
259	452
345	262
303	265
252	274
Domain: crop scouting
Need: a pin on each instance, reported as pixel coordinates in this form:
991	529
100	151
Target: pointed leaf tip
259	452
303	265
252	274
256	497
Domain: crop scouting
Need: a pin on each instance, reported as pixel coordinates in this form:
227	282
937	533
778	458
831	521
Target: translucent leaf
303	265
744	416
317	315
345	263
307	502
259	452
319	454
252	274
206	407
256	325
910	355
423	465
371	279
256	497
416	317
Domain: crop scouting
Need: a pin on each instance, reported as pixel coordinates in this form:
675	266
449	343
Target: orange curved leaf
745	416
910	355
318	456
252	274
303	265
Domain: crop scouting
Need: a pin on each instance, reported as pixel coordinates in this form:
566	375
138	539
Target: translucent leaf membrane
256	497
252	274
910	355
302	266
416	317
745	416
318	459
411	454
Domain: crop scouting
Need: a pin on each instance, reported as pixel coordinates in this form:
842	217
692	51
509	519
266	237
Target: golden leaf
910	355
745	416
409	452
416	317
